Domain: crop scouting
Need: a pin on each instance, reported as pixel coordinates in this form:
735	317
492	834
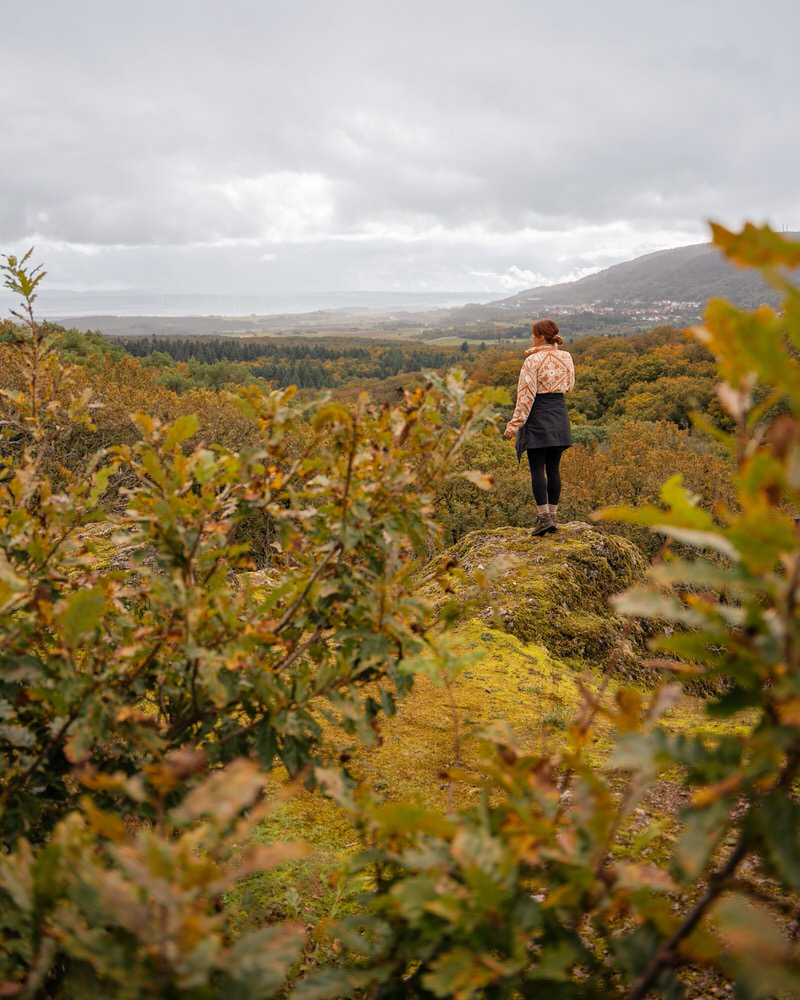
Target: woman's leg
536	461
552	460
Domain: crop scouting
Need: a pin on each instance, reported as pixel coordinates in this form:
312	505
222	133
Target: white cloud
286	206
515	279
390	145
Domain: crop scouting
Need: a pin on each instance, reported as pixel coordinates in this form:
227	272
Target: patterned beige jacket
545	369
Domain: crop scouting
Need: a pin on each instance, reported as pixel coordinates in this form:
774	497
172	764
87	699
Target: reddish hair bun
547	329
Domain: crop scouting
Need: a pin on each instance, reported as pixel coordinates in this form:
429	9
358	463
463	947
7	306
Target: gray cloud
366	145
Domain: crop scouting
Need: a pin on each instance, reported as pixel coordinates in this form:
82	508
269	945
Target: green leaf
755	950
16	876
464	973
266	744
700	539
647	602
80	614
388	703
635	751
401	817
653	831
100	484
555	962
703	831
181	430
681	502
778	818
259	963
333	984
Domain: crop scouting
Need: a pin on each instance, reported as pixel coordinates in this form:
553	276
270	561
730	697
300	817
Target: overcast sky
277	146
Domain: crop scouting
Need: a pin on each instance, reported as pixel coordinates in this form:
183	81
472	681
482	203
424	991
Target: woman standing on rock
540	422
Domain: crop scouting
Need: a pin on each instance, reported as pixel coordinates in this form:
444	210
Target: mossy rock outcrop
552	590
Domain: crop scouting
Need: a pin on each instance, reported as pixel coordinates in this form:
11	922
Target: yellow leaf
789	711
483	480
633	876
629	701
713	793
106	824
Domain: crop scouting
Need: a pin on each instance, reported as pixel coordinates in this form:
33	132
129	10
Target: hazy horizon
65	305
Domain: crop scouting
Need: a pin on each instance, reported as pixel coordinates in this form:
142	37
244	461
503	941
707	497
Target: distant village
657	311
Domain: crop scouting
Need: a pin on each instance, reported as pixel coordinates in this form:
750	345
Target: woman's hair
547	328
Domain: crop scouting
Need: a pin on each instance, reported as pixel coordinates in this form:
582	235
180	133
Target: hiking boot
544	525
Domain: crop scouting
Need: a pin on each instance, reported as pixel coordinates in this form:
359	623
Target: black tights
545	477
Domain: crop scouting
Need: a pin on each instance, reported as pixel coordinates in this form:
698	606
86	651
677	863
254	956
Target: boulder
551	590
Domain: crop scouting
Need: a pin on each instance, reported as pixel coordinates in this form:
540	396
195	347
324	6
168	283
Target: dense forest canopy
307	365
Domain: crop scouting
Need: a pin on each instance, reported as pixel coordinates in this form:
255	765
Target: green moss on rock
552	590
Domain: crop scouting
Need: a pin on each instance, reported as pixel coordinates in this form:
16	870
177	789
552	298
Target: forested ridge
235	616
317	365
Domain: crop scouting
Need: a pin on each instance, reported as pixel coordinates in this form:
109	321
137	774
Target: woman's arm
526	394
571	373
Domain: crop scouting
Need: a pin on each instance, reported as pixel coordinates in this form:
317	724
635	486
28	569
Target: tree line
308	366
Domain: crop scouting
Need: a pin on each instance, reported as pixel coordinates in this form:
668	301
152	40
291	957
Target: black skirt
547	425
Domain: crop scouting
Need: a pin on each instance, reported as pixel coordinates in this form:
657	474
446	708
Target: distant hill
684	274
668	286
